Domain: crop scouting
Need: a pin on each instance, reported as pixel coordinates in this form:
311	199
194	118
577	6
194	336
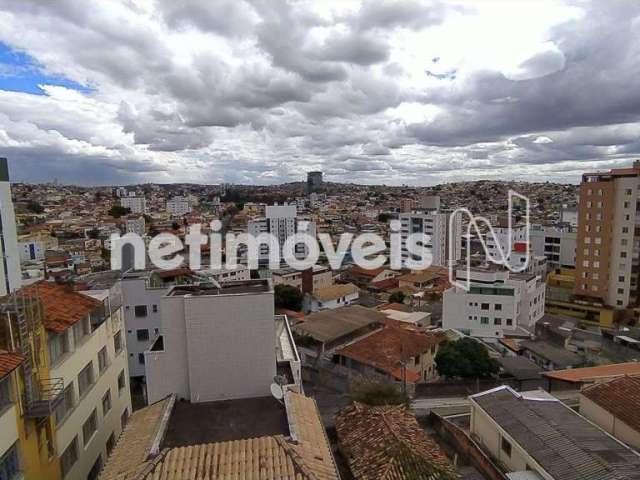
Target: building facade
179	206
608	240
498	303
10	276
135	204
436	226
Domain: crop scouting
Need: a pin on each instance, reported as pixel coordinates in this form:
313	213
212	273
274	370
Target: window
140	310
623	254
628	191
106	403
498	306
111	442
506	446
58	347
85	379
621	278
625	229
89	428
103	360
142	335
5	393
509	322
69	457
123	418
10	463
67	403
122	384
80	330
484	320
154	308
485	306
117	342
141	358
497	321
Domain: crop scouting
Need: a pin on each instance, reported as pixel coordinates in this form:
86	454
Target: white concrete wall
9	428
609	423
68	369
10	277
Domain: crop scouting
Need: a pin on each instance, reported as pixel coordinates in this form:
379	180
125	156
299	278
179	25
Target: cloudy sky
262	91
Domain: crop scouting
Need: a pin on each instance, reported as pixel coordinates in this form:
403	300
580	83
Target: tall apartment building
282	222
436	226
179	206
498	303
608	240
135	204
70	396
220	343
556	243
10	276
314	181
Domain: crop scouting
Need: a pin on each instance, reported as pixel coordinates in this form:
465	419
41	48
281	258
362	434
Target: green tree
288	296
118	211
465	358
35	207
397	297
384	217
378	393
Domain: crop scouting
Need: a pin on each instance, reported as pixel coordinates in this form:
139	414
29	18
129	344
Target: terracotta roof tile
63	307
9	361
591	374
387	348
620	397
334	292
387	443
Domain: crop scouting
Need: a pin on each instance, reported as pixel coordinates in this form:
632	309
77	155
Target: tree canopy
118	211
465	358
288	296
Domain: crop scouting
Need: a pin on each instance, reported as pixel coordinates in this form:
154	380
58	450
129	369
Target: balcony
45	400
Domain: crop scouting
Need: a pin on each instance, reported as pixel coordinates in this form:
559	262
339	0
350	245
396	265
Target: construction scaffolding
22	331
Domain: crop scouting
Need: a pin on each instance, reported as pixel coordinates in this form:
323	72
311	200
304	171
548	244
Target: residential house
615	407
387	442
549	356
363	277
329	298
577	378
534	435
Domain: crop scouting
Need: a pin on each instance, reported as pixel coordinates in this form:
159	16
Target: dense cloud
261	91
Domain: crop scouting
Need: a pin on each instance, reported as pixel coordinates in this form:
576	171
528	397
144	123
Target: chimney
307	281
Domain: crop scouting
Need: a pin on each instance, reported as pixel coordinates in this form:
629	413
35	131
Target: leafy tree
378	393
118	211
397	297
384	217
35	207
94	233
288	296
465	358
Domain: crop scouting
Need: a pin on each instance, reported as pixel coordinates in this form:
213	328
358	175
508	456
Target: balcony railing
46	399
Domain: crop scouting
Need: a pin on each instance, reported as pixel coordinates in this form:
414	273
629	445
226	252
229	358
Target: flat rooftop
242	287
222	421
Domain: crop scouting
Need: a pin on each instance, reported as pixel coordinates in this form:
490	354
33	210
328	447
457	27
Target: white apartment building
137	225
224	274
556	243
179	206
282	222
436	226
220	344
87	353
135	204
498	303
10	277
141	316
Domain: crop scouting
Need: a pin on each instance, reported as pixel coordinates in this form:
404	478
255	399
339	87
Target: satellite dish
276	391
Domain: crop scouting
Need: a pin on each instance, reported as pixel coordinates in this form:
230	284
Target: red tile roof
387	348
386	284
387	443
620	397
591	374
366	272
63	307
9	361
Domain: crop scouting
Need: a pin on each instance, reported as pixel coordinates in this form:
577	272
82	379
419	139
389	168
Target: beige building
615	407
321	277
86	352
606	244
534	435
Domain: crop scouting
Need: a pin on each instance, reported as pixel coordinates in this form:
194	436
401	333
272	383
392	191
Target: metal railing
44	402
